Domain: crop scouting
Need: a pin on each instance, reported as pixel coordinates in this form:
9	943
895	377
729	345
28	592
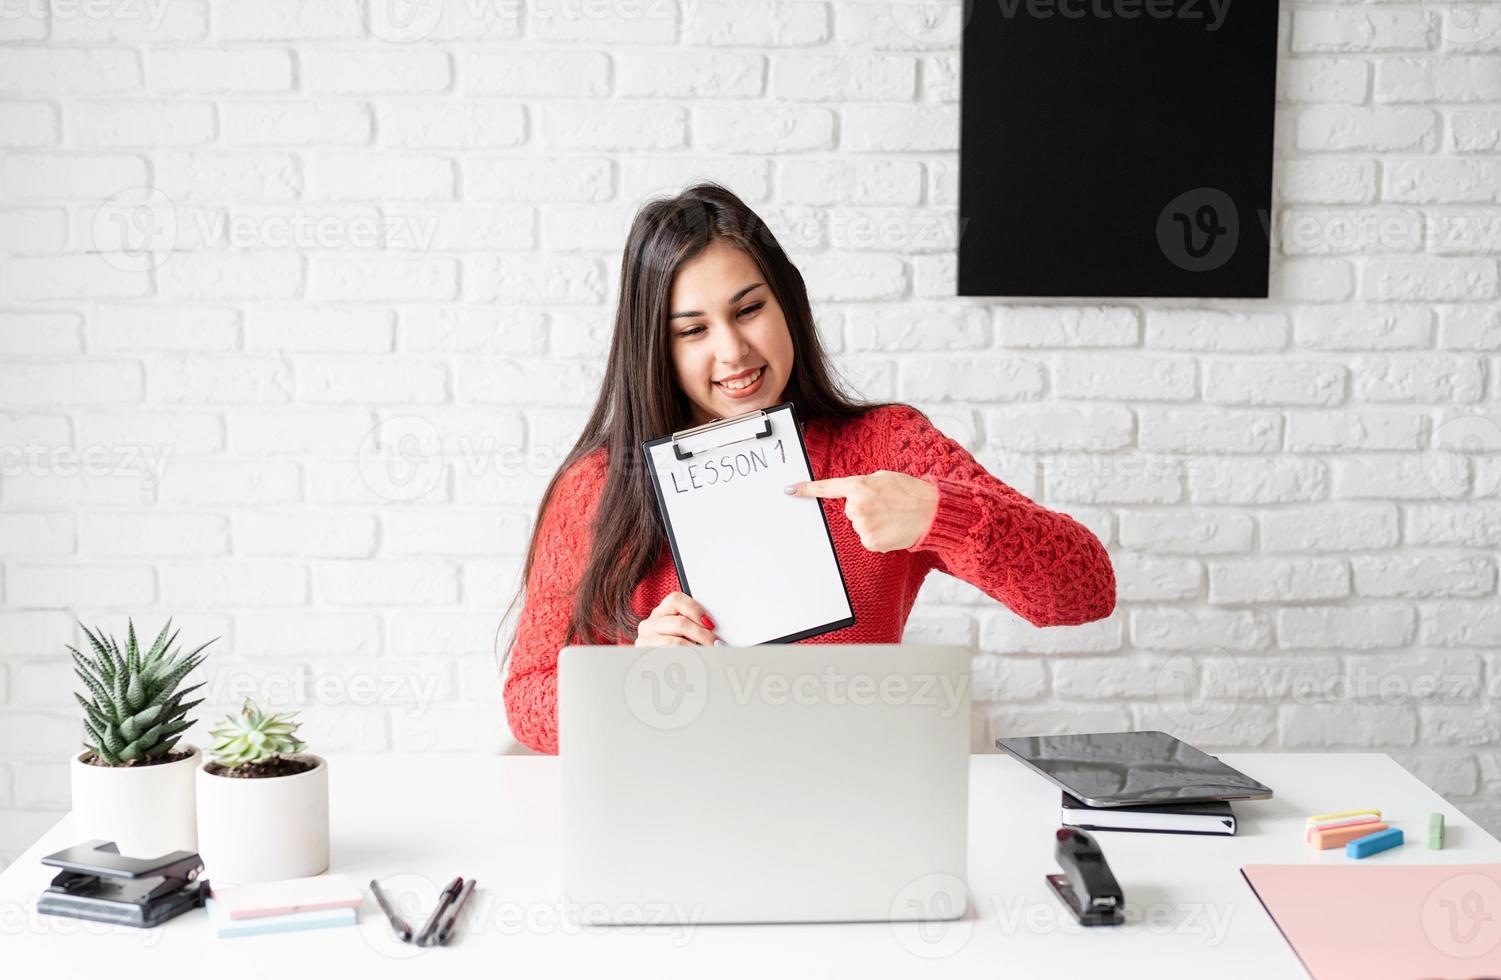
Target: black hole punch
99	884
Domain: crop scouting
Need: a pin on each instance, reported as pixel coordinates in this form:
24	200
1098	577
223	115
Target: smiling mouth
744	381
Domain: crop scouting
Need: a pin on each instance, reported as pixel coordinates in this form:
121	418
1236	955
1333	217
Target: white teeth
739	383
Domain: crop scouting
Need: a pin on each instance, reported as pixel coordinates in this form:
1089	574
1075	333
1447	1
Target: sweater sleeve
1045	566
531	688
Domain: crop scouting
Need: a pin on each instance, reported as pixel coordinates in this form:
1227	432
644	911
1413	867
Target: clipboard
759	560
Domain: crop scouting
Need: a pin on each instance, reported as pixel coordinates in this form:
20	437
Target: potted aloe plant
262	802
133	782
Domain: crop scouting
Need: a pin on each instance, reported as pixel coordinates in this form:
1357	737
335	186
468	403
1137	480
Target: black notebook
1213	817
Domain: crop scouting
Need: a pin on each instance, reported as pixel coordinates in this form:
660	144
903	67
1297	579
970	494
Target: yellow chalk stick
1324	817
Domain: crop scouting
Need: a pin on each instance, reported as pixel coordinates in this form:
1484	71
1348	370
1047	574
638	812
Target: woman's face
725	326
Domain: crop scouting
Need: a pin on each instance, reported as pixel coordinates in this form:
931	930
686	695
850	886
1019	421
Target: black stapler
99	884
1087	887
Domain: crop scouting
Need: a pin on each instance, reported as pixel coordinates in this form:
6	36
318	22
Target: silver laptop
773	783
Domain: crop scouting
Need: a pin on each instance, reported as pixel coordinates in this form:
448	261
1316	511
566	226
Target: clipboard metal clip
764	431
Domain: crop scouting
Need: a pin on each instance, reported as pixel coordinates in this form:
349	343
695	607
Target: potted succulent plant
133	783
262	803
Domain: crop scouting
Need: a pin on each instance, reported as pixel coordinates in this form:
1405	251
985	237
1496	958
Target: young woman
714	321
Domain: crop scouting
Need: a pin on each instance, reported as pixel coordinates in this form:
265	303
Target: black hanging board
1089	142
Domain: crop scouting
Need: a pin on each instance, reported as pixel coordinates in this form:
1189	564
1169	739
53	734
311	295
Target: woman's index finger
838	486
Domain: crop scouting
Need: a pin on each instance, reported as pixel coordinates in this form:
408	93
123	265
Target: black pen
451	917
398	924
425	937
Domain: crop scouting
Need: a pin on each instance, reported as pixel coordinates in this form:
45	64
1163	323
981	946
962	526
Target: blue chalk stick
1374	843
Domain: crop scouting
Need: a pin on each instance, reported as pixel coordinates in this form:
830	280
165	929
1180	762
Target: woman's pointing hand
890	511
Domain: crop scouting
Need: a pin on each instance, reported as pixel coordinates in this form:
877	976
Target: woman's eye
745	312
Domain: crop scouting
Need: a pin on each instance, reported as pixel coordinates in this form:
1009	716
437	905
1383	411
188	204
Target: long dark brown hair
641	400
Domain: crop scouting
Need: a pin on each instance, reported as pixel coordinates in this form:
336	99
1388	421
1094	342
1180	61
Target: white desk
416	821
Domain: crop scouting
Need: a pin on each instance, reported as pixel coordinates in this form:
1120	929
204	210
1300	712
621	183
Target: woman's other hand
678	620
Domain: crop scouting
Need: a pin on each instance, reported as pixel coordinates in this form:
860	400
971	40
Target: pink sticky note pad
1360	922
289	895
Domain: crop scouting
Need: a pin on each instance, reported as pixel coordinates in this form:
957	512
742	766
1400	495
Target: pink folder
1374	921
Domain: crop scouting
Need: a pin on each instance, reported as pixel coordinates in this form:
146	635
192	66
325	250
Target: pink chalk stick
1323	840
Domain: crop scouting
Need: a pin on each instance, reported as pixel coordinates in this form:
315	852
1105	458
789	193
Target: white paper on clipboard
762	562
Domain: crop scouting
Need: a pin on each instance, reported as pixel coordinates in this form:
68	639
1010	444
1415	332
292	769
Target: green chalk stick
1435	832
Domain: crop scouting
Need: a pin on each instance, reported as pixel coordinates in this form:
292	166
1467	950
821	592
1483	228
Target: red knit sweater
1048	568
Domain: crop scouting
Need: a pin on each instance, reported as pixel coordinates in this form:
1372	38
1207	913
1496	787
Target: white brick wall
244	244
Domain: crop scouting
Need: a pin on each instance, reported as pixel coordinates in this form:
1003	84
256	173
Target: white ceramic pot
147	811
263	829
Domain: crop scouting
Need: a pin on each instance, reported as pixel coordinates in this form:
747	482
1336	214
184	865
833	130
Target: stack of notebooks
1214	817
292	905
